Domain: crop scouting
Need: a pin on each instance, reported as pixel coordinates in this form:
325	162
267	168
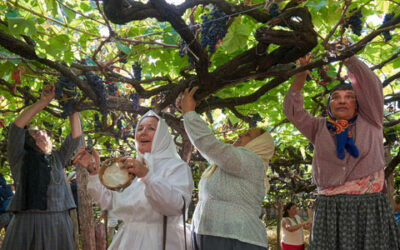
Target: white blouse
230	199
292	238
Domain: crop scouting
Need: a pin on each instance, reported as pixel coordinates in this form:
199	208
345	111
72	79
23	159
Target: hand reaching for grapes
90	161
188	103
48	93
304	60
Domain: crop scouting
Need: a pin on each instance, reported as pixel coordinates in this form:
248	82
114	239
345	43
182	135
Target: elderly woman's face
41	138
145	134
343	104
246	137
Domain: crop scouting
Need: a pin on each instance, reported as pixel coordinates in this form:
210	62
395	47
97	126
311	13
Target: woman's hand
134	166
188	103
48	93
300	77
91	162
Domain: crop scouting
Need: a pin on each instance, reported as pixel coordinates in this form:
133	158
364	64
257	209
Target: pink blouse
330	172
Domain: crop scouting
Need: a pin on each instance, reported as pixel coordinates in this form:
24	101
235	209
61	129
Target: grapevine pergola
242	73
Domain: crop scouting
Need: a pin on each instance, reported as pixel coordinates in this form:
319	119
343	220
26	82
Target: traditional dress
47	229
351	212
142	205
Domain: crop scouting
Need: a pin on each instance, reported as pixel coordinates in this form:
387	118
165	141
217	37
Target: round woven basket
128	177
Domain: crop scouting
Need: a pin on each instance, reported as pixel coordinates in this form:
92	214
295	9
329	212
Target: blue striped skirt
354	222
39	231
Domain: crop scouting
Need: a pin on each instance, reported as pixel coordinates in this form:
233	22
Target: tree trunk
389	179
278	225
85	210
74	218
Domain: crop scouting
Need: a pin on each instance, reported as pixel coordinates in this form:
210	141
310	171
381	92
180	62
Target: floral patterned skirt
354	222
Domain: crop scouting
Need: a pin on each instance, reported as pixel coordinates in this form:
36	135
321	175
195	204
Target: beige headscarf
263	146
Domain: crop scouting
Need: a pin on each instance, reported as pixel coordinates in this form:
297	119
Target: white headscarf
263	146
163	145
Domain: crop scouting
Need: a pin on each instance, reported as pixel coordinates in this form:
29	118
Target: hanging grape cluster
99	89
134	97
213	28
66	94
112	89
183	48
386	34
137	71
254	118
97	123
273	10
355	23
123	57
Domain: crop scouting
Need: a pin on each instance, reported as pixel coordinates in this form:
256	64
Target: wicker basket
110	169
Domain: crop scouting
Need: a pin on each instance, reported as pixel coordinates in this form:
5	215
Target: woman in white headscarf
163	181
232	189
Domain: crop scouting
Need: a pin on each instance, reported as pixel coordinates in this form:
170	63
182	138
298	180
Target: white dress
295	238
141	206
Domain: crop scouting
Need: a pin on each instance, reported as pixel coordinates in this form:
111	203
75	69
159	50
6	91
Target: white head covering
163	145
263	146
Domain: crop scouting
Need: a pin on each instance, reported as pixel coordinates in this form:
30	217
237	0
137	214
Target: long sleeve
68	148
15	144
296	114
100	195
231	159
165	192
368	89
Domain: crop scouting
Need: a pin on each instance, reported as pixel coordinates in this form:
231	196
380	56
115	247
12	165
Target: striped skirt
39	231
354	222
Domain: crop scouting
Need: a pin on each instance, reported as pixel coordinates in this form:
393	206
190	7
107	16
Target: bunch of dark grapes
137	71
97	124
213	28
210	117
65	93
273	10
59	133
254	118
134	97
183	48
108	145
119	123
123	57
355	23
386	34
99	89
112	89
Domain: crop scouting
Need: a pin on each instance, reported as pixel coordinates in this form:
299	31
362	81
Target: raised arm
235	160
368	89
75	123
300	78
46	97
286	224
